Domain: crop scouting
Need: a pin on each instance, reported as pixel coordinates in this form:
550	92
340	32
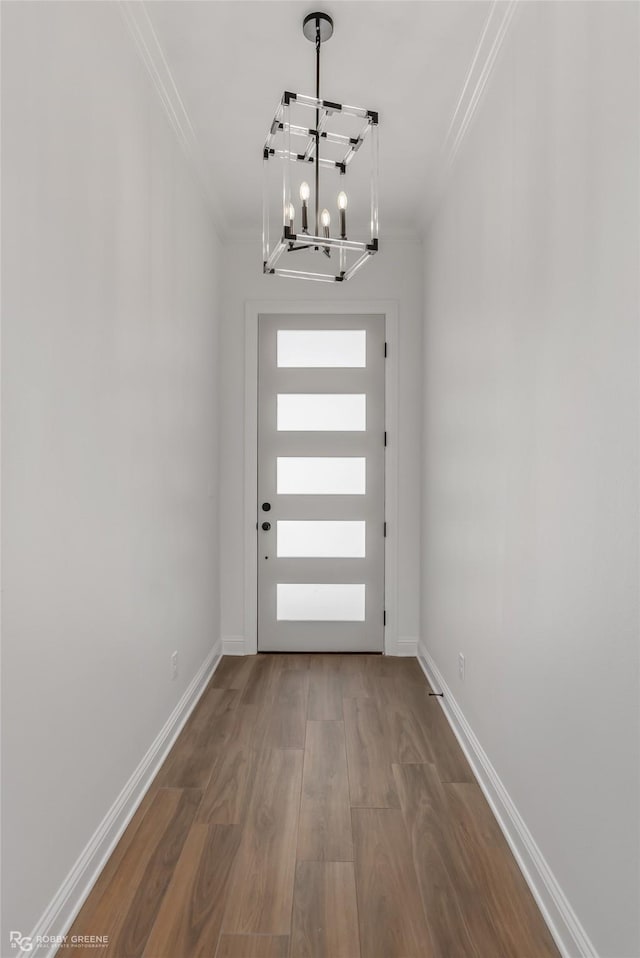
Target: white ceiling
231	60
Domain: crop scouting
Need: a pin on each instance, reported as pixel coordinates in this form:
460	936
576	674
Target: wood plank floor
314	806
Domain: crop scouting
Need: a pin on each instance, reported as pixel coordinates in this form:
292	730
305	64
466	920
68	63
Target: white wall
109	307
395	273
530	495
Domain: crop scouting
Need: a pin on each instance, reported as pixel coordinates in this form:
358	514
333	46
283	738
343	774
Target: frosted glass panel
320	602
321	476
322	347
320	539
327	412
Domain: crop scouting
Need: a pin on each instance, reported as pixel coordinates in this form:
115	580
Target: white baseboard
61	912
562	921
236	645
404	645
407	645
233	645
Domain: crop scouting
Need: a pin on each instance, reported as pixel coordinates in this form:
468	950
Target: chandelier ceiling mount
317	22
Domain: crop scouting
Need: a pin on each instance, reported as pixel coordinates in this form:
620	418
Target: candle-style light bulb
342	207
325	219
305	192
292	216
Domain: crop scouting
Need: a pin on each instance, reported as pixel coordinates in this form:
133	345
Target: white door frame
253	308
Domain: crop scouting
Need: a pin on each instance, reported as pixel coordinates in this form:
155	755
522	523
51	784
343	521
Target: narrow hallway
221	436
314	806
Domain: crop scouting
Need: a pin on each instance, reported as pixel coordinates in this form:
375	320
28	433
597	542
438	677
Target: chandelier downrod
317	27
317	170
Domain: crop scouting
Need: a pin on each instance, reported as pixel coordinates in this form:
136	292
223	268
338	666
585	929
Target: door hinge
385	530
385	350
385	437
384	616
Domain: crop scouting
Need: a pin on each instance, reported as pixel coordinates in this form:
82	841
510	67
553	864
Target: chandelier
307	161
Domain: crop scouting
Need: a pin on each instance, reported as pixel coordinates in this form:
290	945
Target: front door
321	483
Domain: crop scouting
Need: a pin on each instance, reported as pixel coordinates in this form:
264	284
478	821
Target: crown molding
147	44
491	39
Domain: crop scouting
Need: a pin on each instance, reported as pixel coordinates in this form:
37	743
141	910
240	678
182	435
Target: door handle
266	526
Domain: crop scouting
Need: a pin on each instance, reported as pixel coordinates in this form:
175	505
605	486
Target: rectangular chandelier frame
279	146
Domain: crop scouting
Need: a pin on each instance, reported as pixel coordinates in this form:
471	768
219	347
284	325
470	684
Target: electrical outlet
461	665
174	666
